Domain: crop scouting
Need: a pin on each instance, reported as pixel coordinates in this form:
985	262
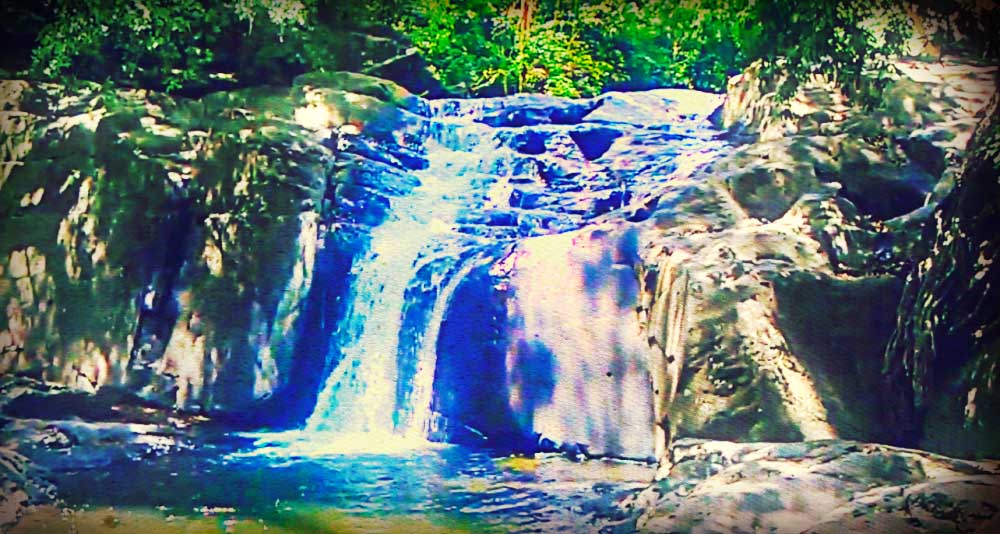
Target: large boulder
770	292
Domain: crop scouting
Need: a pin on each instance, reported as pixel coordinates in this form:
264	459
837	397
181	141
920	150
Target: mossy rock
362	84
767	191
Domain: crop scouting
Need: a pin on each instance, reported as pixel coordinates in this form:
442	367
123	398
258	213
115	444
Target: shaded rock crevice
941	365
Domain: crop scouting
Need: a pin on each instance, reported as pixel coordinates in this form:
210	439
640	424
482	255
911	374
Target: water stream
499	171
484	159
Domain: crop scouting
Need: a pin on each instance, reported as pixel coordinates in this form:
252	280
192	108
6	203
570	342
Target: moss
35	228
773	423
353	82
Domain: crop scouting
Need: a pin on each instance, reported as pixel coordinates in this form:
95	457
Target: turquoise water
454	484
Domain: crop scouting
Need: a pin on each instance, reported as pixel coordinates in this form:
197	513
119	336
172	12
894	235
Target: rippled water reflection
447	484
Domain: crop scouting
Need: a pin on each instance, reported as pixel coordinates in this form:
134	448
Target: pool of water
454	487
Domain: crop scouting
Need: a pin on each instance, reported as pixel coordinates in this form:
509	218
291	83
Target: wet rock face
572	298
825	486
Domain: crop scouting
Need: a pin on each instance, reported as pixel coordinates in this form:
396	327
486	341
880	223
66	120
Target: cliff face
167	245
772	305
941	364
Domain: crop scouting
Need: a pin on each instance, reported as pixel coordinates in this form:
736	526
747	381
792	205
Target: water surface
448	487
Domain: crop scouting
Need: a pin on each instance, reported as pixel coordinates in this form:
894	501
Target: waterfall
415	412
359	399
505	174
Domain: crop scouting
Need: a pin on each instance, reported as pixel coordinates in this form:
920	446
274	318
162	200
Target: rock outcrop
817	487
794	261
804	330
167	245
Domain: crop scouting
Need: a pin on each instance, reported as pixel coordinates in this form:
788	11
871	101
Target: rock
220	176
531	142
838	329
77	445
557	388
779	290
655	108
942	362
22	484
821	486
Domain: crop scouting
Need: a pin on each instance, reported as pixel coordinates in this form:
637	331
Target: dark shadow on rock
594	273
885	199
533	375
315	349
471	372
108	404
594	142
839	330
529	142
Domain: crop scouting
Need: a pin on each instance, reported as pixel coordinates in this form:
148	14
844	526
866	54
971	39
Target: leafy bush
163	44
490	47
465	52
582	48
691	43
846	40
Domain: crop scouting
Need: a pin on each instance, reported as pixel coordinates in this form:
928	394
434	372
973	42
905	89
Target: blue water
364	450
548	493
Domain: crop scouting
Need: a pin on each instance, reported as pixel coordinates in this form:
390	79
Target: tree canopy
487	47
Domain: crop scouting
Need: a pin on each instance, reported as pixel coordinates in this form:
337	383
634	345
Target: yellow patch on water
519	463
300	518
477	486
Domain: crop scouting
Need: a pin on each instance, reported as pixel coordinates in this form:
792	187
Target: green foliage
584	47
170	41
463	50
692	43
489	47
493	47
847	40
163	44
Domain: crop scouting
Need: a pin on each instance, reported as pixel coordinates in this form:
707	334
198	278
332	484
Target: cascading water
525	345
498	171
359	402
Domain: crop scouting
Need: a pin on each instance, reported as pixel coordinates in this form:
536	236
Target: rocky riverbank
818	486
